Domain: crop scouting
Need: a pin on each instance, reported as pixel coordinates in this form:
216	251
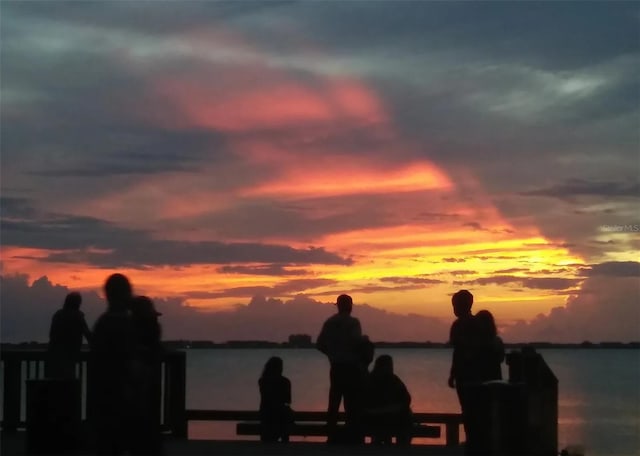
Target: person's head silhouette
72	301
383	366
118	291
462	302
486	324
273	367
344	303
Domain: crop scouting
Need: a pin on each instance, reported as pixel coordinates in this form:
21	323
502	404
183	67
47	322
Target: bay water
599	389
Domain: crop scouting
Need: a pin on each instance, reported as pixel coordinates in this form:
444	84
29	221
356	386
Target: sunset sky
246	162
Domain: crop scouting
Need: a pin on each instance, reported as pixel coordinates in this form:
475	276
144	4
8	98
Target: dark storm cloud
615	269
287	288
538	283
27	310
412	280
16	207
581	187
306	218
168	17
605	309
148	152
460	272
454	260
88	240
511	270
452	77
266	270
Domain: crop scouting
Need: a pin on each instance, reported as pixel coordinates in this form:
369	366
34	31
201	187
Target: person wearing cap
147	355
111	374
68	327
341	339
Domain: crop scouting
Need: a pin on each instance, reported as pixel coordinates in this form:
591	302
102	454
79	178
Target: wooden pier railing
19	366
22	365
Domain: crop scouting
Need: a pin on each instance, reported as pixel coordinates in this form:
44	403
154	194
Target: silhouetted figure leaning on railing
147	356
68	327
387	409
276	415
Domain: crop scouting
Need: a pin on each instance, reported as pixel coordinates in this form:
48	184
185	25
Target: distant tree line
305	341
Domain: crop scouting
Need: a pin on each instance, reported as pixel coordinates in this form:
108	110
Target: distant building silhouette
300	340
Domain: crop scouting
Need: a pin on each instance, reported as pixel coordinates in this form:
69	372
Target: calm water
599	390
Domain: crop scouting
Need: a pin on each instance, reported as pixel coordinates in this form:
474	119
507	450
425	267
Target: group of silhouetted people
123	389
478	353
377	402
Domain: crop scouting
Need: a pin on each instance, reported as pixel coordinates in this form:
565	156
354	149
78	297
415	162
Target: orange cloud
348	177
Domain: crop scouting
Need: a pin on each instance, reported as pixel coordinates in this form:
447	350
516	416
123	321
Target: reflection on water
599	397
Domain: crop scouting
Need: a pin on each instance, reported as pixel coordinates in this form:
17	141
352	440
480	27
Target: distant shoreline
257	344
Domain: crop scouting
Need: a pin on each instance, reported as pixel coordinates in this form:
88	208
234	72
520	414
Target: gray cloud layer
602	311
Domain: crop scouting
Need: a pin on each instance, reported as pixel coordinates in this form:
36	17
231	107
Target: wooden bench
313	423
320	429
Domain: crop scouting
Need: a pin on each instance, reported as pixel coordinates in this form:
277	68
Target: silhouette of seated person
276	415
387	410
68	327
147	355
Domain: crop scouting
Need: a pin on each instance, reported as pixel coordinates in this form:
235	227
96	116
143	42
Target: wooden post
12	393
177	395
452	430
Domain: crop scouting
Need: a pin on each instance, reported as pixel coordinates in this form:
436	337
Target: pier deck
13	444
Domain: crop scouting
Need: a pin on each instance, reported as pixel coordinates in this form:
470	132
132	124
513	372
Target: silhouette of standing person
146	377
110	381
488	354
68	327
275	400
340	339
387	404
463	371
489	348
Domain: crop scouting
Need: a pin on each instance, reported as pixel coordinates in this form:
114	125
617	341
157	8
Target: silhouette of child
275	399
387	404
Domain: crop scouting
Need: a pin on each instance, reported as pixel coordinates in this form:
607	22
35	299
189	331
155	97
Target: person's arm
357	330
403	393
454	359
51	329
287	391
321	341
499	349
85	328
